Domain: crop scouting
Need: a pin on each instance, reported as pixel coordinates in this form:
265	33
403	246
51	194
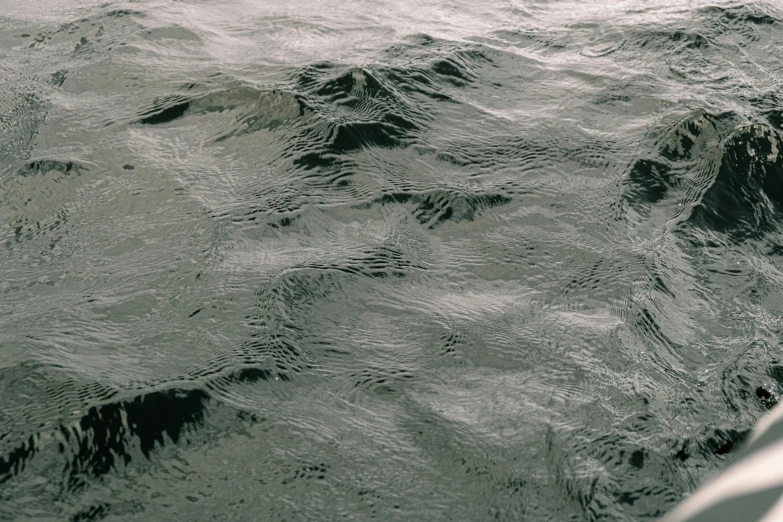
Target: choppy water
434	260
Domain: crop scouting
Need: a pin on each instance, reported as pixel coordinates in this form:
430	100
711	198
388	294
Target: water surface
433	260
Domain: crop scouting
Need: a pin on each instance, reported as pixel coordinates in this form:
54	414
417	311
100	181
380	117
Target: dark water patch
309	77
15	462
411	70
432	68
104	438
769	393
649	181
716	442
49	166
54	399
285	222
107	441
775	118
659	285
122	13
745	381
435	207
165	110
767	105
457	70
453	347
101	510
746	196
307	472
252	375
58	78
320	161
695	135
680	158
646	323
362	108
102	442
768	398
93	513
83	46
739	17
326	87
390	132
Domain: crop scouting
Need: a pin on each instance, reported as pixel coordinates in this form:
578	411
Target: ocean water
373	260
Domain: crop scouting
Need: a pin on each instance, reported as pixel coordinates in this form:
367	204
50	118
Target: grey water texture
374	260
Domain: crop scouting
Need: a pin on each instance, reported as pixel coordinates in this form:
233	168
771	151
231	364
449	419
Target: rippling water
434	260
